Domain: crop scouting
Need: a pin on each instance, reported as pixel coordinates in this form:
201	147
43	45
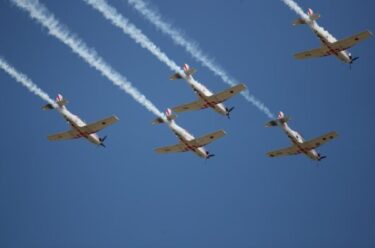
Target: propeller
321	157
354	59
209	155
228	111
351	61
102	140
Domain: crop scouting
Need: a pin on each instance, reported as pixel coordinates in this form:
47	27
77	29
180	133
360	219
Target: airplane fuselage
184	136
327	40
297	140
203	93
75	122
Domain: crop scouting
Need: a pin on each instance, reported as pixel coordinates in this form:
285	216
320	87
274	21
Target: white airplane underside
213	101
88	131
79	129
300	146
330	46
206	99
306	147
187	141
194	145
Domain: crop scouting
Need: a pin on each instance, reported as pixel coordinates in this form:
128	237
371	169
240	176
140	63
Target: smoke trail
296	8
128	28
42	15
25	81
192	48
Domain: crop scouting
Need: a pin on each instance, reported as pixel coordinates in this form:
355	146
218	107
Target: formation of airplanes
207	99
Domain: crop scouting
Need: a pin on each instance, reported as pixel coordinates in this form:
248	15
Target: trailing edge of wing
71	134
196	105
226	94
171	149
314	143
99	125
292	150
351	41
317	52
208	138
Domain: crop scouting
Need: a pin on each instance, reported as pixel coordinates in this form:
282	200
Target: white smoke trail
25	81
192	48
42	15
296	8
130	29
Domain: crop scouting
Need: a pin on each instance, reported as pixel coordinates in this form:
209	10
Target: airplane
300	146
330	45
79	128
206	97
187	141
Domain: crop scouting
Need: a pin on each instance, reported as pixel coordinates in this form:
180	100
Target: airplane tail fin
312	17
187	70
169	116
60	101
281	119
48	107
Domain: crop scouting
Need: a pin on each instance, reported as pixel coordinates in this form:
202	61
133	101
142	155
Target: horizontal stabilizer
160	120
272	123
176	76
59	103
188	72
300	21
62	102
314	16
48	107
278	121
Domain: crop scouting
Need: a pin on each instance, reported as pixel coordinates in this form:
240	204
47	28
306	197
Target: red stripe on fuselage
191	148
300	148
82	134
208	104
305	151
331	50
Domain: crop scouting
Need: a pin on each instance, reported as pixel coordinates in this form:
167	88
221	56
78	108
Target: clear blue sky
73	194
